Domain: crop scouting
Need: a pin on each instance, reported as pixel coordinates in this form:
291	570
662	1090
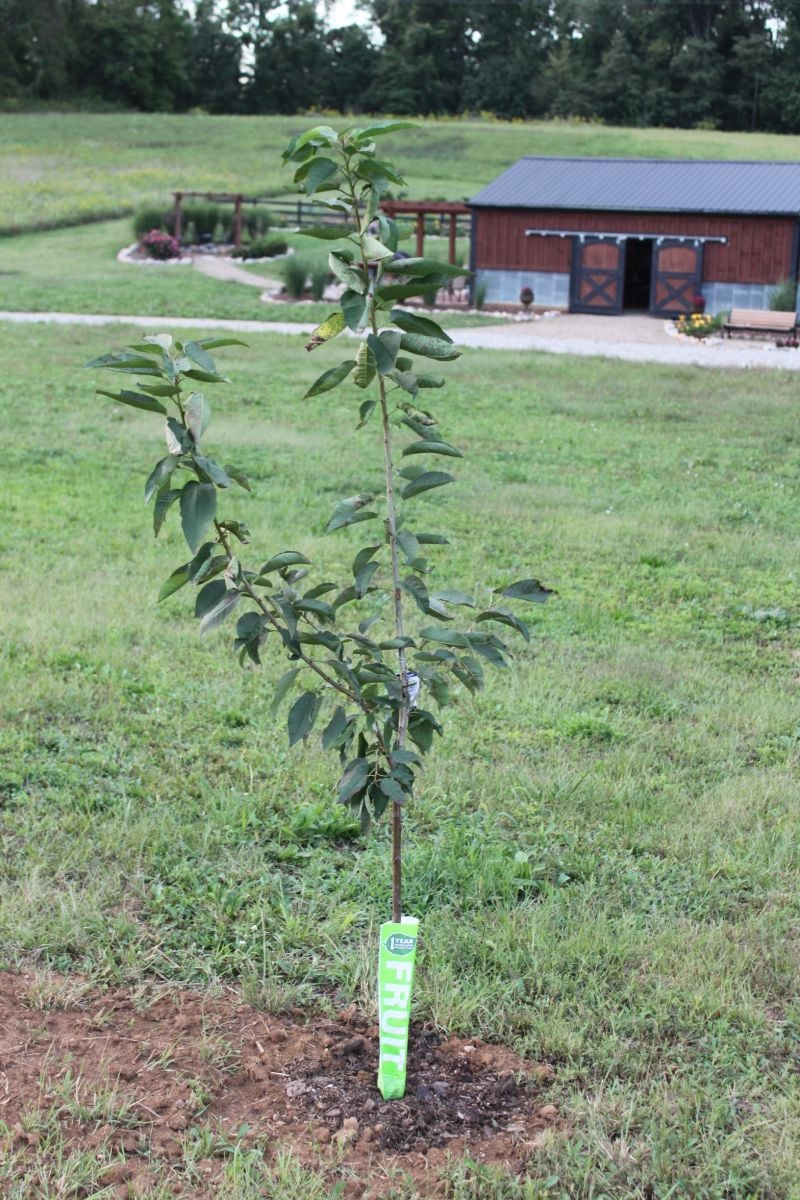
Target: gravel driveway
632	338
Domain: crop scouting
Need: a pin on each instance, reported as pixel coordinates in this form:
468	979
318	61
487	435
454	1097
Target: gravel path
633	339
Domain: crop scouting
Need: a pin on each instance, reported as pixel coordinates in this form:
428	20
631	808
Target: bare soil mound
136	1075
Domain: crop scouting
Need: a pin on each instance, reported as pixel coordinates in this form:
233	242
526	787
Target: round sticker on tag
400	943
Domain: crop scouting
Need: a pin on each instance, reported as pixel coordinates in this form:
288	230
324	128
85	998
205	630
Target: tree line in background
729	64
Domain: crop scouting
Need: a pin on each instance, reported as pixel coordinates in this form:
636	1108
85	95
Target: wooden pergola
234	198
422	208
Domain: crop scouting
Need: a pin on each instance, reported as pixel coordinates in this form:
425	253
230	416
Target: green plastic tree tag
398	951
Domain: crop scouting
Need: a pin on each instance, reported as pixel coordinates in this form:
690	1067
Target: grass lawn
605	848
59	168
76	270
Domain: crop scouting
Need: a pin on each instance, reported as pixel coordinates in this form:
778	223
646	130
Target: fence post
177	220
420	233
452	246
237	222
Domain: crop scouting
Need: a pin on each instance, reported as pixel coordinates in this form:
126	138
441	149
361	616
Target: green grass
604	851
64	168
76	270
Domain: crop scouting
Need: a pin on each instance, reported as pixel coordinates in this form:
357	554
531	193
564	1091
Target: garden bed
162	1085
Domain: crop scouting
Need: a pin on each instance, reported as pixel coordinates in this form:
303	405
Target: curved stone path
632	339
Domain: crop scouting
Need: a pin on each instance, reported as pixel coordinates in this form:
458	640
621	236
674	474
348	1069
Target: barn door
598	272
677	277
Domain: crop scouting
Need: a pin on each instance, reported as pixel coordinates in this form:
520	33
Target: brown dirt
137	1073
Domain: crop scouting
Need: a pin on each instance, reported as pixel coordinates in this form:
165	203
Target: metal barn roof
646	185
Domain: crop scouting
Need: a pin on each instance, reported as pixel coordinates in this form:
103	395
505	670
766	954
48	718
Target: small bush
701	325
264	248
319	281
480	293
257	222
295	276
783	298
157	244
148	218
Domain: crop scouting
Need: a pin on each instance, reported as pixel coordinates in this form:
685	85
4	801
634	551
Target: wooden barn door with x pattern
677	277
598	274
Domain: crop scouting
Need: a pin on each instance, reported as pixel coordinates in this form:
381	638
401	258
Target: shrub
783	298
257	222
480	293
319	281
701	325
147	218
264	248
157	244
295	276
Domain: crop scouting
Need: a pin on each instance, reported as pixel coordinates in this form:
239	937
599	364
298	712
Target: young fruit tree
372	674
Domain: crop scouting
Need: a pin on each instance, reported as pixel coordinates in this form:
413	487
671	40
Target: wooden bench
760	320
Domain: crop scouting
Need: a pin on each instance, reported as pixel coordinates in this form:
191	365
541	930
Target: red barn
600	235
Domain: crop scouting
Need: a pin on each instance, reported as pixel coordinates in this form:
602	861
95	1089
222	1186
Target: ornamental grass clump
372	658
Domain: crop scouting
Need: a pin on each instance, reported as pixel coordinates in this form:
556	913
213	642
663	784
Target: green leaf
391	788
505	617
319	170
350	512
397	643
213	343
429	381
282	688
286	558
199	355
446	637
330	328
221	610
326	233
379	128
453	597
408	544
365	369
209	597
165	498
364	578
363	557
354	278
411	323
198	415
420	267
375	249
424	483
135	400
330	379
404	291
159	475
432	539
205	376
526	589
210	472
238	477
335	729
320	135
302	716
125	362
198	509
354	779
433	447
428	347
355	309
417	590
178	578
383	348
389	233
